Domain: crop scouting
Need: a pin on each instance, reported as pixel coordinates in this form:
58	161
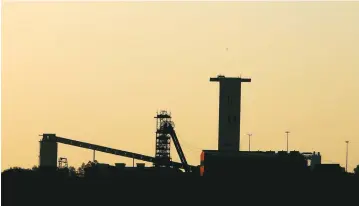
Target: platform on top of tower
163	114
222	77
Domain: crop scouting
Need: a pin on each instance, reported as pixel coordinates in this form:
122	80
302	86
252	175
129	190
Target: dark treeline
107	185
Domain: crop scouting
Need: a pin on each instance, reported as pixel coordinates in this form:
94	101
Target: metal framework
169	128
163	140
164	132
54	138
63	162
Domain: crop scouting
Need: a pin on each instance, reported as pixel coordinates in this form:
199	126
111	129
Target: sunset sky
99	72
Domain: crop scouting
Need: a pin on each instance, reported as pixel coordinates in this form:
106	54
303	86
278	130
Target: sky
99	72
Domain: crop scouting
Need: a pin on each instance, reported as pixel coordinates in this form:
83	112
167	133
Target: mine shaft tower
229	112
163	140
164	133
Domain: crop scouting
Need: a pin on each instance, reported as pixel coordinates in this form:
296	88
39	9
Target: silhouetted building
229	112
314	158
239	164
329	169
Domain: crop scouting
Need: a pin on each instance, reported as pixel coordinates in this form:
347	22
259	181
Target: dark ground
38	188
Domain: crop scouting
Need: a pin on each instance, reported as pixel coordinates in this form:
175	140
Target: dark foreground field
35	188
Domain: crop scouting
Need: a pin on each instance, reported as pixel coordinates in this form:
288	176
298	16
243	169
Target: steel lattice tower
163	139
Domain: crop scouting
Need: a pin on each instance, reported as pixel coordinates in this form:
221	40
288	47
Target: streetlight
346	164
287	138
249	137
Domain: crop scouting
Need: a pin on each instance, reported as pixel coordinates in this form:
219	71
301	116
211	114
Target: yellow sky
98	72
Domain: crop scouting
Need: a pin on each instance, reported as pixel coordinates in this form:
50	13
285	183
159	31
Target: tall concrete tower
229	112
48	151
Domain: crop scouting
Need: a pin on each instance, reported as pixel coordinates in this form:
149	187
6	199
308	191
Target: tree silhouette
72	171
356	170
81	170
35	168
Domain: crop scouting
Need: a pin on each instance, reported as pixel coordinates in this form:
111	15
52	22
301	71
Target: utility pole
287	139
94	156
249	137
346	164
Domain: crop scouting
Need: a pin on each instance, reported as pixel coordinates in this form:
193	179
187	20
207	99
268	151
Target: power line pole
287	138
346	164
249	137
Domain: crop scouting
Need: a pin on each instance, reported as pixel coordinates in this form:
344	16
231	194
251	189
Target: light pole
287	138
346	161
249	137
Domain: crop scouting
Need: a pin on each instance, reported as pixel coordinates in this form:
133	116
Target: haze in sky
99	72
